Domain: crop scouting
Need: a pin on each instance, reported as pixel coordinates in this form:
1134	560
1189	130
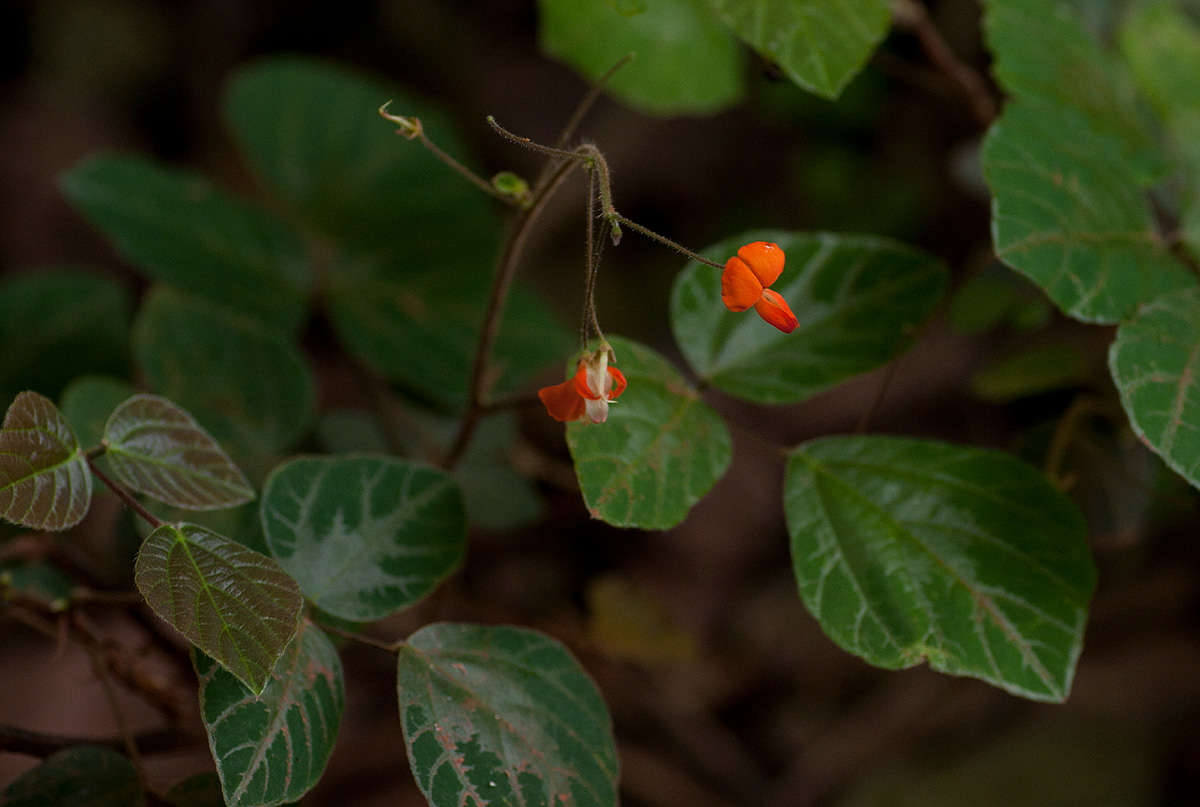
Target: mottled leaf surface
859	300
660	450
1069	214
45	483
235	604
178	228
271	748
910	550
1044	52
365	536
56	324
244	383
685	62
819	44
84	774
1155	363
503	716
158	449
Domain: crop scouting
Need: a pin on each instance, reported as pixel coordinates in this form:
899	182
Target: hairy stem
125	496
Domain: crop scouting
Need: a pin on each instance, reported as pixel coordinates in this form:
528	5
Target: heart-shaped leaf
1155	363
685	62
233	603
158	449
45	483
660	450
1069	214
271	748
502	715
248	386
84	774
910	550
819	44
181	230
859	300
364	536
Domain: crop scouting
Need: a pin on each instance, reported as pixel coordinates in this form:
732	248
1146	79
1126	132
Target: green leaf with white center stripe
911	550
1155	363
271	748
659	452
235	604
158	449
503	716
45	483
365	536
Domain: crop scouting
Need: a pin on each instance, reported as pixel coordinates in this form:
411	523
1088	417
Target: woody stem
495	307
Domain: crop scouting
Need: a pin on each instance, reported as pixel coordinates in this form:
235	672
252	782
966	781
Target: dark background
723	690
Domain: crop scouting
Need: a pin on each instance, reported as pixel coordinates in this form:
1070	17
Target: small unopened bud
409	127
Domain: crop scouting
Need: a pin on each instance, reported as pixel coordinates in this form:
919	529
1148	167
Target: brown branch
888	376
125	496
495	307
912	16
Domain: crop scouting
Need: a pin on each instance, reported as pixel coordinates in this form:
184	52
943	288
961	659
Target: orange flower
745	279
589	392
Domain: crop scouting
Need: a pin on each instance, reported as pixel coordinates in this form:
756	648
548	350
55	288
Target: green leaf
35	579
243	382
421	330
502	715
909	550
659	452
45	483
233	603
271	748
198	790
1067	213
685	62
57	324
1044	53
1031	371
819	44
365	536
994	297
1155	363
497	496
312	132
859	300
1162	46
84	774
179	229
158	449
88	401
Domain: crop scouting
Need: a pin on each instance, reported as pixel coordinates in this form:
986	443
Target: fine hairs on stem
595	246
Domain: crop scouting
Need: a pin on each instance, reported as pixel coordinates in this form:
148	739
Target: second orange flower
745	280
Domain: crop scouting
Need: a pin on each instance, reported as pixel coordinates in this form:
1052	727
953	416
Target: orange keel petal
562	401
775	310
740	288
618	383
765	259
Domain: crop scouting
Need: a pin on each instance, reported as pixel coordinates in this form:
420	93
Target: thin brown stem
412	129
390	647
914	17
125	496
495	308
633	225
533	145
889	375
589	99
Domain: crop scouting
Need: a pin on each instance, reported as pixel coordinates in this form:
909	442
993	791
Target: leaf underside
45	483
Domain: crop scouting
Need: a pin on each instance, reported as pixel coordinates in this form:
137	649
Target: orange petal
618	383
774	309
562	401
765	260
740	288
581	384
